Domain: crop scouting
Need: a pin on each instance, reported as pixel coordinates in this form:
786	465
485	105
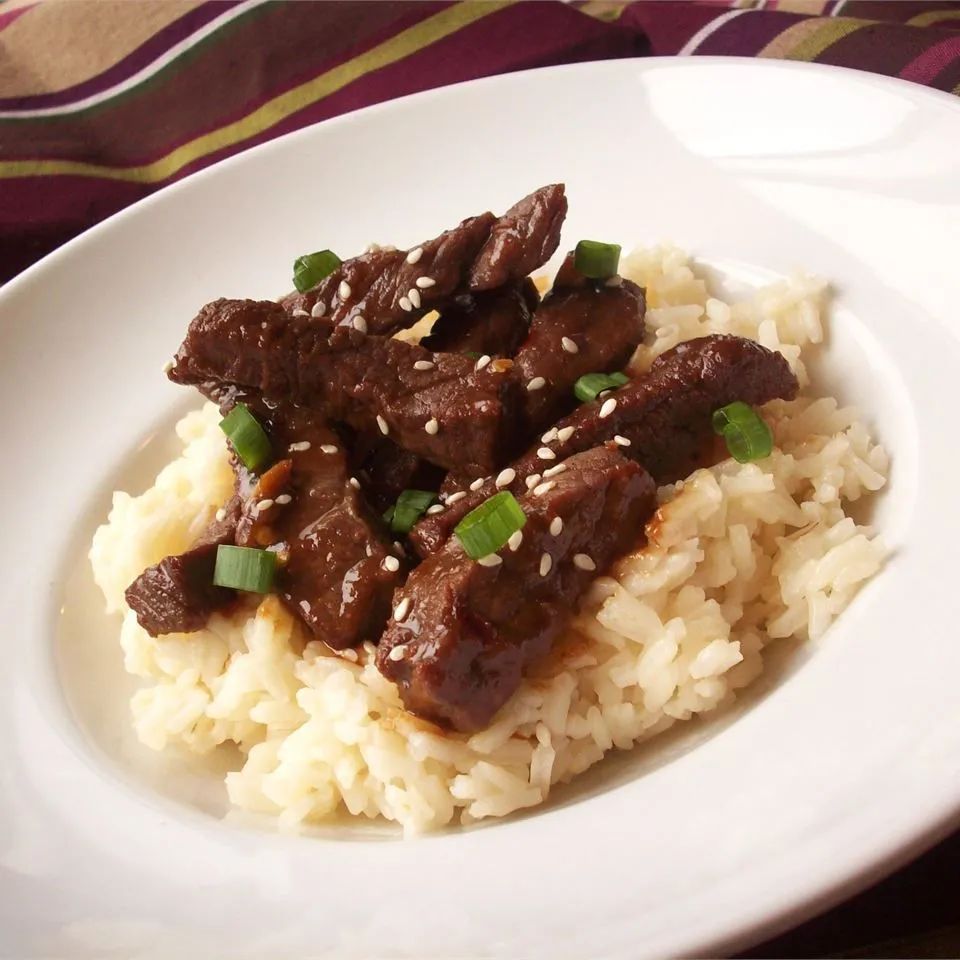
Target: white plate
848	764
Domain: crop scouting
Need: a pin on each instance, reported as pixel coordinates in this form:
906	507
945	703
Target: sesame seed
388	247
405	304
355	483
299	447
348	654
614	281
415	254
516	538
263	326
569	345
482	362
399	548
608	407
413	295
532	480
383	425
435	509
391	563
284	499
490	560
398	652
505	477
425	282
537	383
549	436
582	562
221	514
401	609
344	290
564	434
424	365
168	366
621	441
546	562
329	448
556	526
431	426
265	504
318	309
543	488
454	497
359	323
478	483
372	248
299	312
553	471
545	453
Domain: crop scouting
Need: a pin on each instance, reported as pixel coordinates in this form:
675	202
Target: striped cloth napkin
104	101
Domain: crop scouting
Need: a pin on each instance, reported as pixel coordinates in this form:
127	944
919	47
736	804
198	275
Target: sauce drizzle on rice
737	555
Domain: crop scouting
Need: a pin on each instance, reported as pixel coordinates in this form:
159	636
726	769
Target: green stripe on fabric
269	114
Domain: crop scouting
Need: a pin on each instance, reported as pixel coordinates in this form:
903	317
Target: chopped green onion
596	260
311	268
245	568
591	385
744	431
249	440
488	527
408	509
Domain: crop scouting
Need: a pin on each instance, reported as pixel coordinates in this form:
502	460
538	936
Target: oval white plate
847	765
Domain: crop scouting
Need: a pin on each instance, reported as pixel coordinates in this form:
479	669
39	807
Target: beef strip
523	239
177	595
494	322
386	470
463	632
664	416
579	329
382	286
367	381
331	545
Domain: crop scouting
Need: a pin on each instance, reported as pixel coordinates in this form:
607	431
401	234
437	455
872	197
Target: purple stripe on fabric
924	68
748	34
135	61
7	18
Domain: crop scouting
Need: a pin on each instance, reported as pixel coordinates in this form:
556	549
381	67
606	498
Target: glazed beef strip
463	632
386	470
580	327
435	405
391	289
664	417
177	595
495	322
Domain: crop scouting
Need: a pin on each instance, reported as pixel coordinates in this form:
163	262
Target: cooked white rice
737	555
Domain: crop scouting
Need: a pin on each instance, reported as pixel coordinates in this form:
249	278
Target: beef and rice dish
429	490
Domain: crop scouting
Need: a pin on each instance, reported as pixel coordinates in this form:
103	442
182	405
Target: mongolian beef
448	500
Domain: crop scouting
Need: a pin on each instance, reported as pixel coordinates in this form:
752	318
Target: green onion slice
596	260
249	439
488	527
591	385
311	268
245	568
744	431
408	509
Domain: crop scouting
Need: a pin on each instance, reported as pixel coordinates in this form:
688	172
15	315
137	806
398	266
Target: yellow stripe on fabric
608	10
55	46
274	111
809	38
811	7
932	16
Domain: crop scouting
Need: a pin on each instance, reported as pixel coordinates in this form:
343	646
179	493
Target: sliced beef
524	238
177	595
386	470
332	547
463	633
435	405
664	417
586	328
391	289
494	322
